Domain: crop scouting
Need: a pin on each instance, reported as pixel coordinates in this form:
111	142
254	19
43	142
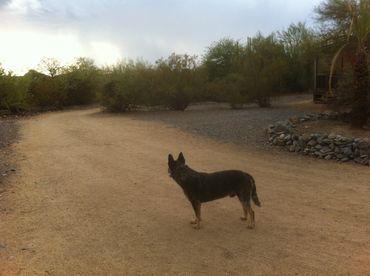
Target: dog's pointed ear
170	160
181	158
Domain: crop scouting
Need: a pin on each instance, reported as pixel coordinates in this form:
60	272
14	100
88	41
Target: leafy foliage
178	80
349	20
126	86
45	91
13	92
255	71
265	69
51	66
82	82
300	45
173	82
223	57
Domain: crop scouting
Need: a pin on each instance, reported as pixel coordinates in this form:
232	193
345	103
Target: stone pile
325	146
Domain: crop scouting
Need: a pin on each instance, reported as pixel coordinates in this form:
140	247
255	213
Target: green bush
46	91
223	57
14	95
81	82
230	89
300	46
126	86
178	81
241	73
265	69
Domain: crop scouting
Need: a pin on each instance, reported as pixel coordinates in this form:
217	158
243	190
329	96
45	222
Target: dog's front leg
196	206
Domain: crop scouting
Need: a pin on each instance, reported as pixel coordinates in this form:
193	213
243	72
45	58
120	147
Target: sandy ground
91	196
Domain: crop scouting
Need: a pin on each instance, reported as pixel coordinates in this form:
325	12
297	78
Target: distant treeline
230	71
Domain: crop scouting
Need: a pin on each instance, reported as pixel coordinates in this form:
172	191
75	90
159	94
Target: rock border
325	146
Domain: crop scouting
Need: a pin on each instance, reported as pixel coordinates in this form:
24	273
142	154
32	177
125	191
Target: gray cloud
151	29
3	2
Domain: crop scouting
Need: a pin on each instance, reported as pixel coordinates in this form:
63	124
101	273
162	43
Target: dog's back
210	186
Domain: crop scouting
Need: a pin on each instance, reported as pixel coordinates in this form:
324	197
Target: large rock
325	150
347	151
364	144
281	127
304	137
364	151
294	120
312	143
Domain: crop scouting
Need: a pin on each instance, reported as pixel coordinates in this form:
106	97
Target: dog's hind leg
247	208
196	206
242	200
245	217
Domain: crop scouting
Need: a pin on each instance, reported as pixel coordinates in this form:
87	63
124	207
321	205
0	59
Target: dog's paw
196	226
243	218
251	226
193	221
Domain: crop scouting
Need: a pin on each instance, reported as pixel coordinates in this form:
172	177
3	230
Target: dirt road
91	196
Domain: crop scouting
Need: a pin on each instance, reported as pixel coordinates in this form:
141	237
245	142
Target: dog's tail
254	193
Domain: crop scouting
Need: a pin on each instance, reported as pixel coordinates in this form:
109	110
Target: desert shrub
46	91
178	81
13	93
81	82
264	69
174	83
126	86
236	93
223	62
240	73
75	85
230	89
222	58
300	46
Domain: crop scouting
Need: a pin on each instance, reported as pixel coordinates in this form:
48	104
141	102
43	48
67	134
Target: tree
265	68
178	80
222	58
299	43
13	92
51	66
347	23
46	91
127	86
81	81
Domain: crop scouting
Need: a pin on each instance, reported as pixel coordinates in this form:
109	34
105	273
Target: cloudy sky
109	30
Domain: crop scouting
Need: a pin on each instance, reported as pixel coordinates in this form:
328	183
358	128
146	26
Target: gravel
8	132
218	121
8	135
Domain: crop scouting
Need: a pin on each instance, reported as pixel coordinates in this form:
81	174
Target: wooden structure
321	83
321	93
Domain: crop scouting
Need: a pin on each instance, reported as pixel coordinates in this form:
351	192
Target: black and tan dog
201	187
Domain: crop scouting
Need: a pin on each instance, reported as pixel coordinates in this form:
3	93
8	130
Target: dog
200	187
